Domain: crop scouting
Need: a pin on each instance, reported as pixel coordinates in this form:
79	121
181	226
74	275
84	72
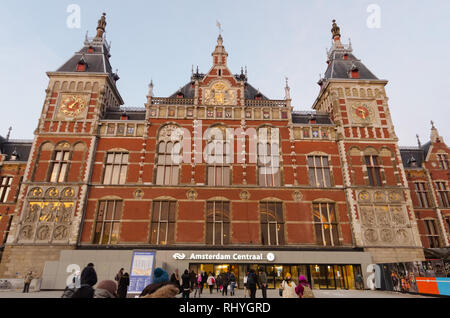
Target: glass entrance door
323	276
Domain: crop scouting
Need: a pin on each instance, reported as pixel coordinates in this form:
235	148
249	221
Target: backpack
307	292
251	280
68	292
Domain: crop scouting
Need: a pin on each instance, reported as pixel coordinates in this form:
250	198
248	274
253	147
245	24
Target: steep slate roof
188	90
339	67
419	155
21	147
132	113
305	117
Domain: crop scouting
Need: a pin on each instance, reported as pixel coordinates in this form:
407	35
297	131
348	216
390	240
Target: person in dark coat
175	279
124	282
218	282
186	284
88	280
225	282
252	281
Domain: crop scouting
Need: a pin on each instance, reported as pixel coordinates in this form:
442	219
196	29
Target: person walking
119	275
262	280
186	284
197	285
245	285
288	287
124	282
211	281
218	283
27	281
204	280
304	290
252	282
232	283
175	279
359	281
225	283
88	280
193	282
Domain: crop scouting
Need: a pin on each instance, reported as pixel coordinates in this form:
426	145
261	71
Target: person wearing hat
288	287
88	280
106	289
161	287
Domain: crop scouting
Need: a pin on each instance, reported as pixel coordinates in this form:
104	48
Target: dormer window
312	120
81	67
90	49
220	72
354	72
346	57
14	156
124	116
180	95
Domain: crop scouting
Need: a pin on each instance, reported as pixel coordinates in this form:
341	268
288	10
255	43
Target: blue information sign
141	271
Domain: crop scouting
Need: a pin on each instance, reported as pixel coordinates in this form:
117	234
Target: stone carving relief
371	235
47	214
383	217
297	195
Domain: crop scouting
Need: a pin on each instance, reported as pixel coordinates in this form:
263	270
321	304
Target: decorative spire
434	134
418	141
287	90
336	32
9	133
150	88
219	54
101	26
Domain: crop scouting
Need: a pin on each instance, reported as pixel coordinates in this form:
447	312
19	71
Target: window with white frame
217	223
272	223
59	166
442	191
325	224
163	223
116	167
319	171
5	188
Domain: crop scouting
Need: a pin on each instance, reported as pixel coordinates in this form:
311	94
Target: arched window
325	224
272	223
168	155
269	168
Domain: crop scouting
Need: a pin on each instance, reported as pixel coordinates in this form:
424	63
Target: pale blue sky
163	39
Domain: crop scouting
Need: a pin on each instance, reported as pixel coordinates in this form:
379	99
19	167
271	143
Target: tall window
443	194
431	233
373	170
163	223
218	223
5	188
319	171
443	161
422	194
167	171
116	167
272	223
325	224
59	166
269	165
107	225
218	159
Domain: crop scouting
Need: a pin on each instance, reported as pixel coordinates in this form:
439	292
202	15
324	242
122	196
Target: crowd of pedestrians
190	284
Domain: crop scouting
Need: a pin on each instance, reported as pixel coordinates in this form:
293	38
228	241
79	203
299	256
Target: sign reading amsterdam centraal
270	257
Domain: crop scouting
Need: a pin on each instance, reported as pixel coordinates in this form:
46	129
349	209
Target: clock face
72	106
362	112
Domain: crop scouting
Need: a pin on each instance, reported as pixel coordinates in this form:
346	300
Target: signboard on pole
141	271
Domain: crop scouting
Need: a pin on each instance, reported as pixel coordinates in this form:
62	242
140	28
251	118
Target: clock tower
55	184
379	201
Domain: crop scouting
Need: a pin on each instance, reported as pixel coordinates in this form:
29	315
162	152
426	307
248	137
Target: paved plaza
240	294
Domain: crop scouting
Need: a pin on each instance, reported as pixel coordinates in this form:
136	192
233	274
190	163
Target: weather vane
219	25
